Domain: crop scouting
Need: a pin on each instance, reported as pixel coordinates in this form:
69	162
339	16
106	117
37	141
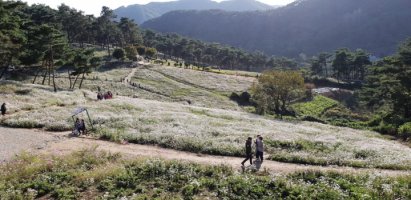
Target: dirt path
13	141
129	76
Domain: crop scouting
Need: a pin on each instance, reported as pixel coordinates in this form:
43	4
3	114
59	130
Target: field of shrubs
88	174
198	129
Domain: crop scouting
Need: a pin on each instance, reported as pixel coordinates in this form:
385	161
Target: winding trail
60	144
129	76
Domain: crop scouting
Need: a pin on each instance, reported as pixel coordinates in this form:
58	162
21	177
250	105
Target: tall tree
107	30
85	62
388	84
341	63
12	36
275	90
131	33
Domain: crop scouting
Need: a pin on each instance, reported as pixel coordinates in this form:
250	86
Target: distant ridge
304	26
142	13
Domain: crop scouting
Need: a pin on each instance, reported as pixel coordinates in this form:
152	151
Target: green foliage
151	52
275	90
141	50
106	176
204	55
405	130
131	52
388	90
297	28
326	110
118	54
315	108
299	145
345	64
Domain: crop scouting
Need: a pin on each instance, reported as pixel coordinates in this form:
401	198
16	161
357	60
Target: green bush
386	128
22	123
58	127
405	130
23	91
89	172
314	108
299	145
119	54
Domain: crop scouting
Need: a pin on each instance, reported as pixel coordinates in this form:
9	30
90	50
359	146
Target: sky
94	6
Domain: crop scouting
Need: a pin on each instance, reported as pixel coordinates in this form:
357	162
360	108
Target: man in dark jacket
249	154
3	109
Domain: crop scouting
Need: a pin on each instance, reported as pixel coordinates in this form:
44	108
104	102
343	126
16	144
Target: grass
178	89
315	108
217	71
326	110
90	174
200	129
211	81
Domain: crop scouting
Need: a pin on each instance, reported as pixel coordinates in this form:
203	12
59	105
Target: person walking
249	154
260	148
82	128
76	130
3	109
255	143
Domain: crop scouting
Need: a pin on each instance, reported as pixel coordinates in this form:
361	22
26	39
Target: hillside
309	26
141	13
209	124
179	129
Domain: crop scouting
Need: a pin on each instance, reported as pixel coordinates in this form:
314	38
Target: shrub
299	145
405	130
364	154
118	54
386	128
131	53
58	127
314	108
141	50
76	176
23	91
23	123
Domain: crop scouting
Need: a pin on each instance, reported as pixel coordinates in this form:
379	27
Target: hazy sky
94	6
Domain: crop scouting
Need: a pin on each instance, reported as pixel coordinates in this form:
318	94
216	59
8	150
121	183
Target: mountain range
142	13
305	26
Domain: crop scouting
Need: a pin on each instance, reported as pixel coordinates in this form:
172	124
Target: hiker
99	96
249	154
3	109
255	143
82	127
76	130
108	95
259	148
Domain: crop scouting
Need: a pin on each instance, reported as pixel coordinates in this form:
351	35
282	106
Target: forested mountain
142	13
305	26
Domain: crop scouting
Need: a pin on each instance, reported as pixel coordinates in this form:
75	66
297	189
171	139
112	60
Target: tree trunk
6	67
44	77
81	82
52	68
108	46
49	69
69	77
326	71
4	71
75	81
54	82
35	76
